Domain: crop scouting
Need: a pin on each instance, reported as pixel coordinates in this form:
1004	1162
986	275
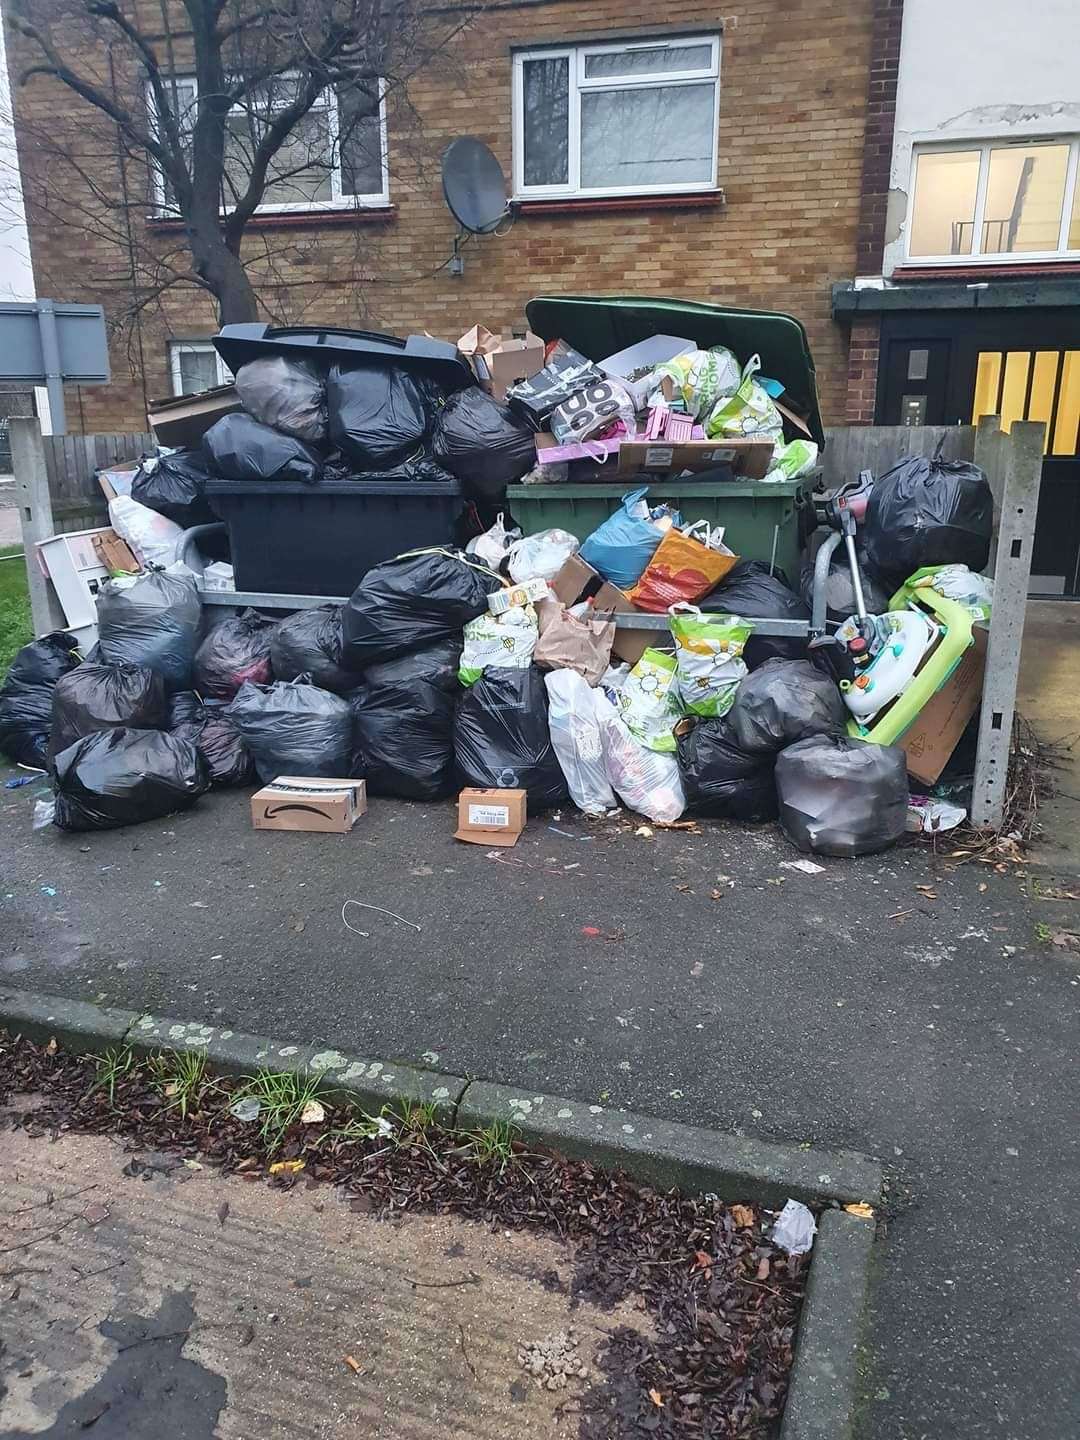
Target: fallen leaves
742	1215
928	891
223	1212
287	1167
312	1114
763	1268
656	1398
862	1210
353	1364
1066	939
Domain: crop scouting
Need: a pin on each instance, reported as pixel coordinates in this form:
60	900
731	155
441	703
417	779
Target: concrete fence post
1013	464
35	518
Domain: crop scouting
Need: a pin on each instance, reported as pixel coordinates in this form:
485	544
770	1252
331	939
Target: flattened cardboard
182	420
578	581
115	554
490	817
749	459
934	736
498	364
305	802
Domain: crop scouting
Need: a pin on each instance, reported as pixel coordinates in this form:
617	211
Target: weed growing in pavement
494	1145
414	1116
111	1068
1043	932
180	1077
282	1098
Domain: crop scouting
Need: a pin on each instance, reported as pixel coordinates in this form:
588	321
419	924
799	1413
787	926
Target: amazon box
490	817
301	802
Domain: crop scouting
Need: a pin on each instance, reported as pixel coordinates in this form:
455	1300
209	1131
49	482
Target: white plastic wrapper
933	816
975	592
493	545
498	642
575	735
644	780
795	1229
542	556
154	538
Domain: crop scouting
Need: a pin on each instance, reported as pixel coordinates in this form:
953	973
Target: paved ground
197	1308
844	1008
10	533
1049	686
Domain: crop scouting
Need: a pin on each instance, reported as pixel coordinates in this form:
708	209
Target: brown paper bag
567	643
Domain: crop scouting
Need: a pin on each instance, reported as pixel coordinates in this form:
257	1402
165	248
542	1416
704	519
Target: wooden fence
72	461
851	448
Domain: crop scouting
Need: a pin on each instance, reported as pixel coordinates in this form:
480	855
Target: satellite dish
474	185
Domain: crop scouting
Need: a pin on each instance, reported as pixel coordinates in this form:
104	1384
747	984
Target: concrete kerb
821	1400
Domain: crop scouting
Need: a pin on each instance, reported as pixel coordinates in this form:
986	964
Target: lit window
333	157
196	366
622	119
995	202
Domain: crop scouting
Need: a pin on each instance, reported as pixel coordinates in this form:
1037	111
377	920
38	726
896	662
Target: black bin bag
752	593
784	701
309	643
173	482
239	448
105	697
26	697
840	796
928	512
413	601
206	725
294	728
483	443
236	650
288	395
379	414
403	736
839	590
122	777
720	779
151	619
501	738
435	665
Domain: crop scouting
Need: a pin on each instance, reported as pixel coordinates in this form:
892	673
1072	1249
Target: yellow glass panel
1043	385
943	211
987	380
1074	223
1014	391
1025	191
1068	415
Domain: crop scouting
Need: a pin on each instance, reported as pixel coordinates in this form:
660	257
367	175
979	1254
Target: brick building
759	204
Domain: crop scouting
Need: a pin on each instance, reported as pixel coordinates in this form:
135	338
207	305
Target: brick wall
794	81
862	377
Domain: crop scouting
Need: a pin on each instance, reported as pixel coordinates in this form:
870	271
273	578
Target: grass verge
15	627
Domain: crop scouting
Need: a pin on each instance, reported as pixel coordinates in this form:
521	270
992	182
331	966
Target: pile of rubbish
500	666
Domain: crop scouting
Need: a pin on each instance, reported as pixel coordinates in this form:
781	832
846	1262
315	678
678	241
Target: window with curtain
617	119
196	366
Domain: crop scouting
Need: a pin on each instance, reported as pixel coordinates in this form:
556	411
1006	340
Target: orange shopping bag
683	567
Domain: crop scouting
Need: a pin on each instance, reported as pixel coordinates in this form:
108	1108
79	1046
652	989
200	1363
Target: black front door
952	368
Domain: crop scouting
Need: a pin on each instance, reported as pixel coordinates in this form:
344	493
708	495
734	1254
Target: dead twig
51	1199
465	1353
471	1279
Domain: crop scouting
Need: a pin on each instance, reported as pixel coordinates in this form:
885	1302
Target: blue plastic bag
623	545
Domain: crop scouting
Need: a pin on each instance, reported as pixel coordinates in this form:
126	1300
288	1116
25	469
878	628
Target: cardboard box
300	802
117	479
498	364
115	554
644	356
490	817
939	725
578	580
749	459
550	452
525	594
182	420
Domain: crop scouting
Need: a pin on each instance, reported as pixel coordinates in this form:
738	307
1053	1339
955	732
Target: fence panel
72	461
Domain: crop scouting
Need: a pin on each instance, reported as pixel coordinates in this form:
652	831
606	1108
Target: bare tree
198	112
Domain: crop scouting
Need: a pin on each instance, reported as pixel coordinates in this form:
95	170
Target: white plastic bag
795	1229
501	642
975	592
644	780
493	545
708	658
649	701
575	736
541	556
154	538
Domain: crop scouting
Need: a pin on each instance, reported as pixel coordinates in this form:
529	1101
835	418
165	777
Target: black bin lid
437	359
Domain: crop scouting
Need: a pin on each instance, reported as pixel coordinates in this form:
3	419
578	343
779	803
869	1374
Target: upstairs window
333	157
998	201
622	119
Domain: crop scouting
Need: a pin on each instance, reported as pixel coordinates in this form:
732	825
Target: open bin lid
419	353
601	325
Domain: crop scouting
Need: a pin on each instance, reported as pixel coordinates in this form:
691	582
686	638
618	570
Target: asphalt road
841	1008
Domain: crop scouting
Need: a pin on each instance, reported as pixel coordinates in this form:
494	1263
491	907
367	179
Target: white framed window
627	118
335	157
1000	200
196	366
